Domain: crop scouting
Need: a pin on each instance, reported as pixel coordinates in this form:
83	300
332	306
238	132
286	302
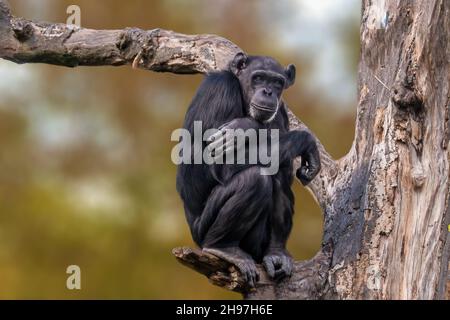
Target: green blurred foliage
85	170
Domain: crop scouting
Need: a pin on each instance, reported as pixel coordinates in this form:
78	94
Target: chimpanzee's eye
279	84
257	79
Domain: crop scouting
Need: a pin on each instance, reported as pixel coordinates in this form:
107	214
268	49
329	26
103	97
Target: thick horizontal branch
307	282
24	41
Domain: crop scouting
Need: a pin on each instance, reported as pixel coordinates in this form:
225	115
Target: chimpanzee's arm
302	144
291	144
224	142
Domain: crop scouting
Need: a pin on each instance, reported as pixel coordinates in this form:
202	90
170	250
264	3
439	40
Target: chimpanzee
233	210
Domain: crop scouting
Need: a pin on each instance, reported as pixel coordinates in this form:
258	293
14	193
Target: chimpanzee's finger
215	136
269	266
228	147
287	265
217	144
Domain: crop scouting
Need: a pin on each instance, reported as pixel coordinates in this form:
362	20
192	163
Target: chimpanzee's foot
240	259
278	263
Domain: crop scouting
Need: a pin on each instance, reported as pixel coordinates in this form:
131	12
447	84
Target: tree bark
386	203
389	211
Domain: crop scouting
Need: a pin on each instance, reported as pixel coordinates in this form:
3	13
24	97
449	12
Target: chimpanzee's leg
244	210
251	195
277	260
257	239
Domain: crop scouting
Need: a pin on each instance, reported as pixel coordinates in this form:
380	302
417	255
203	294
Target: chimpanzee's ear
239	63
290	75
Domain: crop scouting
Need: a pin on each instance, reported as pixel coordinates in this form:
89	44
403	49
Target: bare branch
71	46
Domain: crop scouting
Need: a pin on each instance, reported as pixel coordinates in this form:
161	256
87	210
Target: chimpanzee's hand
278	263
226	140
310	165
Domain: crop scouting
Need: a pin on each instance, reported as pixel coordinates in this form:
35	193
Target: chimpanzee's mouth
265	109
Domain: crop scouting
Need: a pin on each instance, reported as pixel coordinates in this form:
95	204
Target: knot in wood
23	30
406	98
418	176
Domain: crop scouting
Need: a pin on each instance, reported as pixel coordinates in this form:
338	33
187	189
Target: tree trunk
388	210
386	203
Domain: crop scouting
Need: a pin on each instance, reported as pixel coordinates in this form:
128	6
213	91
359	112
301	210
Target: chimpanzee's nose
267	92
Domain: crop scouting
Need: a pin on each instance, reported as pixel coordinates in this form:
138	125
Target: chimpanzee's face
262	82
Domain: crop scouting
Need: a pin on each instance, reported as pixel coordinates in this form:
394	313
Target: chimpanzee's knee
254	184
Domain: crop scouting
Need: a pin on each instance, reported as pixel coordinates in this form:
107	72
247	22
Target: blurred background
85	170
